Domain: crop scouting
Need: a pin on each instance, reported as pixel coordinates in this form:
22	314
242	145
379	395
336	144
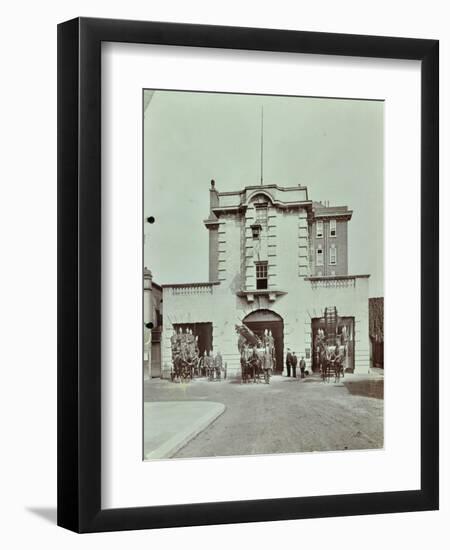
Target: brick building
276	261
328	230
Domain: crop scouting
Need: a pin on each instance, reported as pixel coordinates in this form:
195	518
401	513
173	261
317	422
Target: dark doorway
262	319
202	330
349	324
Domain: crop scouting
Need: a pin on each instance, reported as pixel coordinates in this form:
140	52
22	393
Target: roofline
266	186
334	277
333	214
279	204
184	285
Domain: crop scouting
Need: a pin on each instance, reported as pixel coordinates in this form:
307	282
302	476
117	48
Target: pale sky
332	146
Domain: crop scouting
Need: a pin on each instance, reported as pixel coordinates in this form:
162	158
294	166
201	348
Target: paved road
286	416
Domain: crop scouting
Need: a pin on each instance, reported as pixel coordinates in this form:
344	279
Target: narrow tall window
332	228
319	229
261	214
333	255
319	255
261	275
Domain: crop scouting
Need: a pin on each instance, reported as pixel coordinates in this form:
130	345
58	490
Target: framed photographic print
248	275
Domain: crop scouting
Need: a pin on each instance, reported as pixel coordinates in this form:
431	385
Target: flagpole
262	144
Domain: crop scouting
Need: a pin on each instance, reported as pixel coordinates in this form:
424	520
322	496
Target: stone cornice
272	295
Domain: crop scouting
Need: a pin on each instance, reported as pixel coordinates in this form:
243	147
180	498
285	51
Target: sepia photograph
230	281
263	296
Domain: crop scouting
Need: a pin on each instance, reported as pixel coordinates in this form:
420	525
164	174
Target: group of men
291	364
211	365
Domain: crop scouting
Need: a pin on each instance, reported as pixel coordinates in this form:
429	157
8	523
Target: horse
255	362
331	359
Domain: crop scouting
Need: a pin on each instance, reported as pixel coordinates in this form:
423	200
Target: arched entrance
262	319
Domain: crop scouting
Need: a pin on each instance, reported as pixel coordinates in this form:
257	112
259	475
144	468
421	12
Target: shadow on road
366	388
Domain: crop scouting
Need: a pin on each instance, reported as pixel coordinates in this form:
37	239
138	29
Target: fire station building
277	260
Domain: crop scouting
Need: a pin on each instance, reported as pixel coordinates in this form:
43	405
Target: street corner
169	425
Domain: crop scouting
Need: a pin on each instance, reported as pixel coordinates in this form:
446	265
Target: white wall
351	301
28	224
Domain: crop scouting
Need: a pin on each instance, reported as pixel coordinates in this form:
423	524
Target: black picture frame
79	274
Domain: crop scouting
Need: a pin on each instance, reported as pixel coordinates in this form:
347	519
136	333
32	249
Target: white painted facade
283	244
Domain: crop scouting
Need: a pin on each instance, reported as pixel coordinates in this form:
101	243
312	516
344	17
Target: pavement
288	415
169	425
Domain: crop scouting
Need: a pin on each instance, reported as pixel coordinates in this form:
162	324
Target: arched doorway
262	319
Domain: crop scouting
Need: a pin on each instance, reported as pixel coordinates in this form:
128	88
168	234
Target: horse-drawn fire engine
257	355
187	361
331	346
185	355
